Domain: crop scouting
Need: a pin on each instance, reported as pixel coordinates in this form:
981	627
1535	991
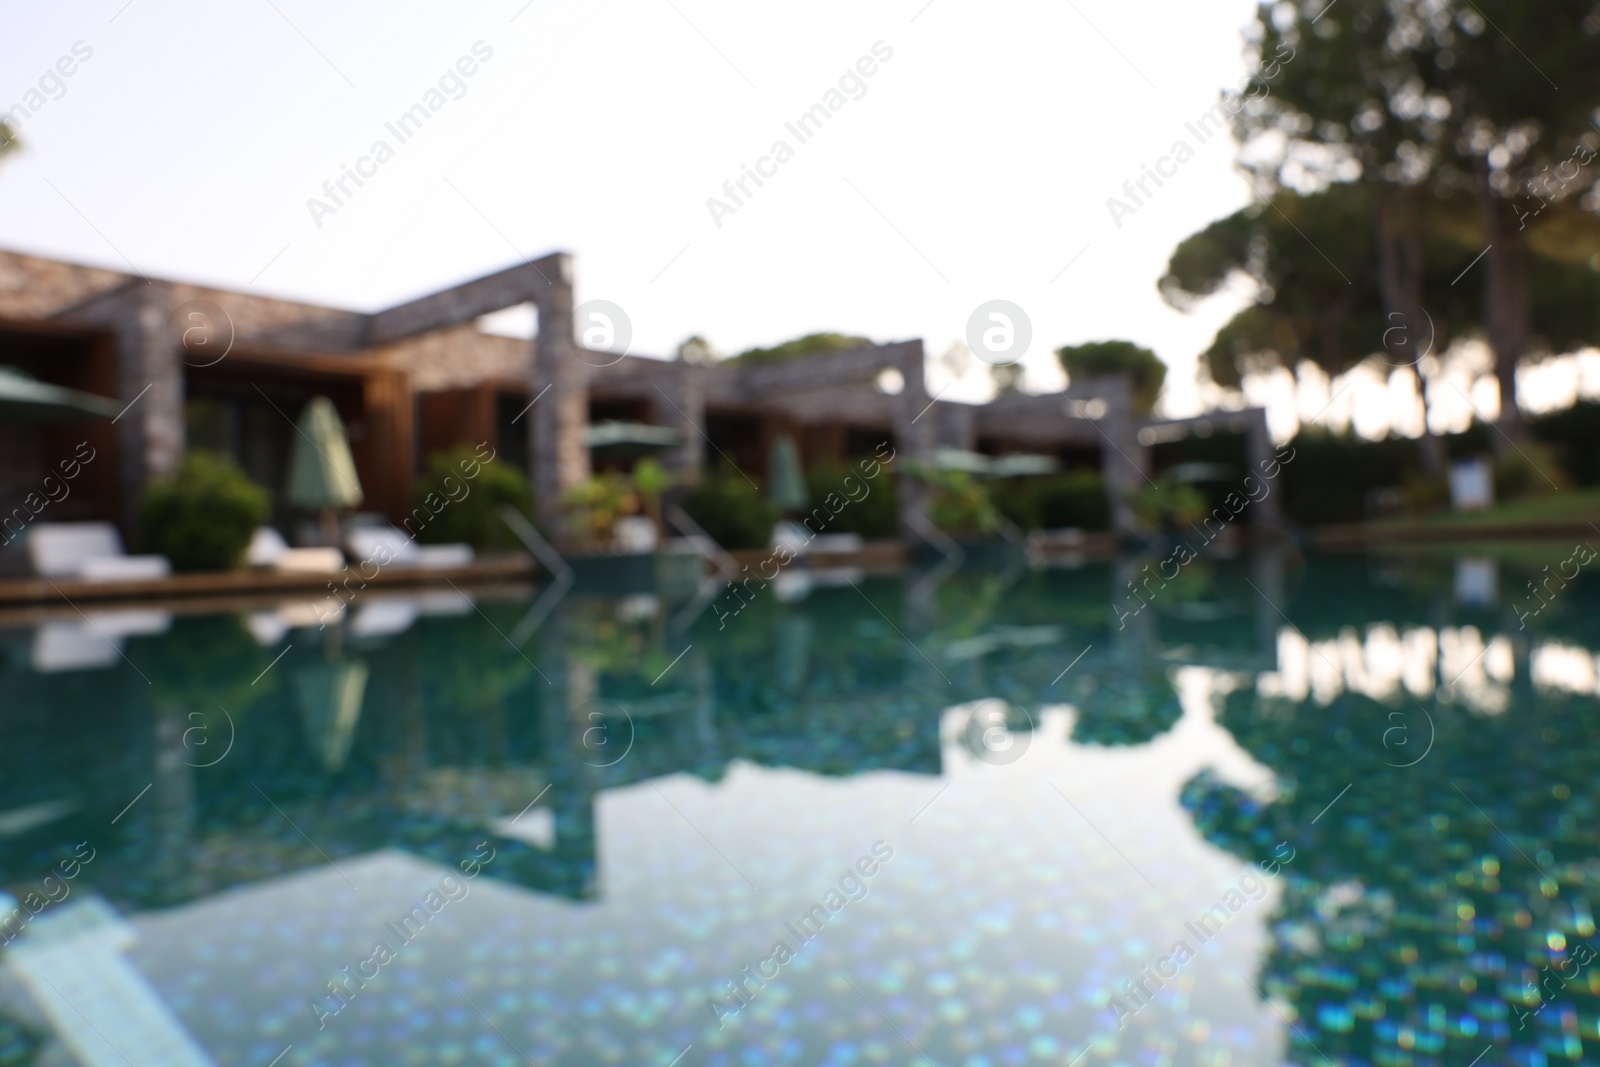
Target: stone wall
434	342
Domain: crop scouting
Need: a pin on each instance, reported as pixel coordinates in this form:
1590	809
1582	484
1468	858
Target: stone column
579	731
1258	451
702	683
1124	461
686	413
914	438
150	434
1133	610
955	426
170	810
559	420
1267	565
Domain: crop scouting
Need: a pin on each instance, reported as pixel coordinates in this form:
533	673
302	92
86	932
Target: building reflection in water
401	728
1426	907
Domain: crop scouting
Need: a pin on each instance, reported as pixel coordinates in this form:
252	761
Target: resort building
192	366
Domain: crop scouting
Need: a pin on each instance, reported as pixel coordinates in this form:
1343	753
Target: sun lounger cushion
383	544
59	550
269	549
837	543
443	556
125	568
91	550
310	561
267	546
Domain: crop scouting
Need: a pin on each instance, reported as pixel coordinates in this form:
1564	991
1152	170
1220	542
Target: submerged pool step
99	1004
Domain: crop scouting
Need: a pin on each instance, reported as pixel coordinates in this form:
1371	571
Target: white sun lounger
268	549
88	550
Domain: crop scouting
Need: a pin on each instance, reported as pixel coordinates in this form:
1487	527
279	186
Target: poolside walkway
1357	535
35	590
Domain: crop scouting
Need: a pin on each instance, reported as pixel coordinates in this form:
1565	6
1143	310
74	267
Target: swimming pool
1277	810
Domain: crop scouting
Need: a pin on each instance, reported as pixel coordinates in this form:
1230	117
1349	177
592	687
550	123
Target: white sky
976	166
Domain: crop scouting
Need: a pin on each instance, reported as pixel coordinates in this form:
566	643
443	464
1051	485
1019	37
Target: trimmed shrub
1574	434
595	504
1058	501
201	518
875	517
959	503
459	497
1528	470
732	510
1075	499
1329	475
1168	505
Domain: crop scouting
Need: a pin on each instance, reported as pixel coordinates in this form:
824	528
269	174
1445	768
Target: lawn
1571	505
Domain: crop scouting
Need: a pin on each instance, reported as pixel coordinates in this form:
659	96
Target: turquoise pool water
1337	809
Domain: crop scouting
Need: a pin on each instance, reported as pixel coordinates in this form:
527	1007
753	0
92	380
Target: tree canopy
1096	359
1487	100
696	349
809	345
1313	260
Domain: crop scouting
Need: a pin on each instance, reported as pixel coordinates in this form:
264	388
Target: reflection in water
1431	896
18	1043
330	702
1425	905
1443	904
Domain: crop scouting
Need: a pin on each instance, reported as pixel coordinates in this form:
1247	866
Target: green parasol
322	473
24	398
330	708
786	482
625	440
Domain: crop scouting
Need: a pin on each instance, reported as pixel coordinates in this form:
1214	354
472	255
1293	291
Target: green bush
1327	476
205	663
1330	475
959	503
1574	434
732	510
875	517
459	498
1055	502
1531	469
1075	499
201	518
1168	505
1478	439
595	504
